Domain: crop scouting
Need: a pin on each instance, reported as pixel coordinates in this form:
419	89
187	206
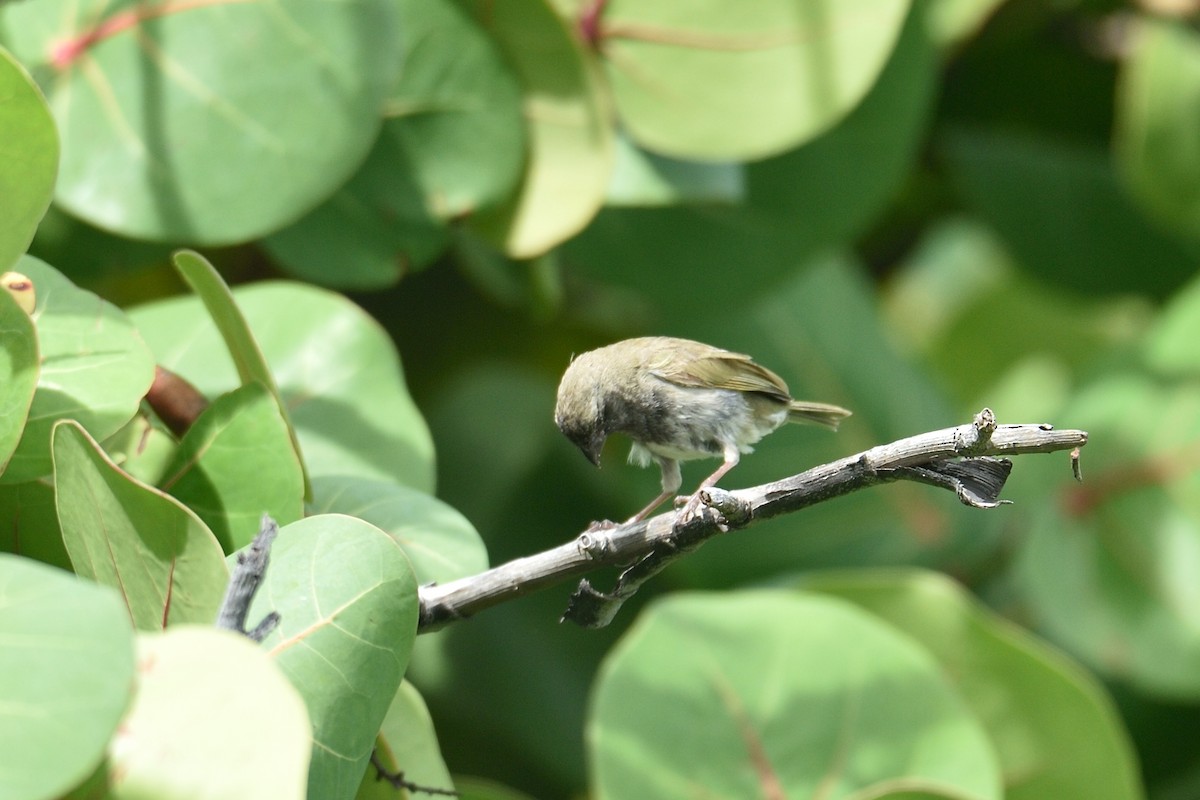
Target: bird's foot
601	525
689	507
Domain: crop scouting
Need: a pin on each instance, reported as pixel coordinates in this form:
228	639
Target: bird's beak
592	449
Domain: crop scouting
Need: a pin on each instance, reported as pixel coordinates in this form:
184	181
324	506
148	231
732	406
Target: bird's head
579	411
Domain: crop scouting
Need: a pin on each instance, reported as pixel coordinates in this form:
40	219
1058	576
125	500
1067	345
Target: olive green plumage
678	400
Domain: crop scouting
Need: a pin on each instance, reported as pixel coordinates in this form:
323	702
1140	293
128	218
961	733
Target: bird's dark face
589	438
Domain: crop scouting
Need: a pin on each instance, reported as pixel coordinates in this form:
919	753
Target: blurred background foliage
911	210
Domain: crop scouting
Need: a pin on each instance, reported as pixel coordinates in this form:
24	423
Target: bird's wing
722	369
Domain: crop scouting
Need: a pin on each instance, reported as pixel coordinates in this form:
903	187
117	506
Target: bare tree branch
962	459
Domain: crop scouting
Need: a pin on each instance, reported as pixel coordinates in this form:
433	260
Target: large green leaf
452	143
19	368
741	81
66	676
336	368
1111	568
237	463
816	196
1033	702
347	601
1157	124
207	122
30	159
440	542
570	137
771	693
166	564
95	368
213	717
407	744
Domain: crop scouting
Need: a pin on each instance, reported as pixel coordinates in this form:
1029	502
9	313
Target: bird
678	400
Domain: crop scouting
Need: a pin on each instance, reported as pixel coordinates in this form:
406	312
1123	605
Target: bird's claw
601	525
689	508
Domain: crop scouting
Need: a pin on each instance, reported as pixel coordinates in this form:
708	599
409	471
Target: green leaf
166	564
676	255
1017	182
1111	567
30	524
347	601
213	717
95	368
30	159
407	744
570	139
337	370
452	143
367	235
440	542
19	368
236	463
775	693
66	676
208	123
1033	702
1156	122
731	81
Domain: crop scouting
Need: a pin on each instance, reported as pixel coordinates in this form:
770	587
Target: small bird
678	400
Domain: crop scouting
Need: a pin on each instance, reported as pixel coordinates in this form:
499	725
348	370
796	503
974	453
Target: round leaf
347	601
781	221
66	674
30	159
776	694
1033	702
214	718
741	81
336	368
166	564
95	368
440	542
210	122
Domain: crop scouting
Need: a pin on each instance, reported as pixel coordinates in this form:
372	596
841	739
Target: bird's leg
732	456
671	481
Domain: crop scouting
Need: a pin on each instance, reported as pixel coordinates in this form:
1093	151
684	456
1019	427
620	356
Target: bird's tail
818	413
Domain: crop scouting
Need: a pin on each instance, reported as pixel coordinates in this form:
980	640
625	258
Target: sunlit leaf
347	601
66	676
336	368
30	159
209	122
95	368
732	81
212	717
